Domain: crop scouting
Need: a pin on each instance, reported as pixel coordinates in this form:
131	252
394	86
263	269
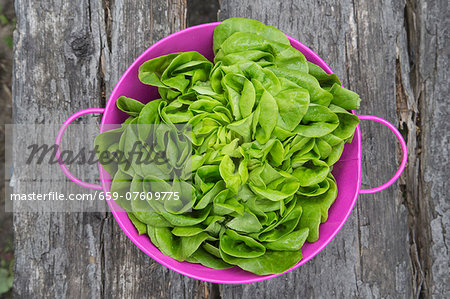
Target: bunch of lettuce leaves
265	128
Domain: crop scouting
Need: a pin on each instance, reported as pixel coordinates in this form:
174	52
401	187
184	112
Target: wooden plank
423	103
56	63
434	49
370	257
68	56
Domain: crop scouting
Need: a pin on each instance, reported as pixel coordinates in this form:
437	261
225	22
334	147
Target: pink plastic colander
347	170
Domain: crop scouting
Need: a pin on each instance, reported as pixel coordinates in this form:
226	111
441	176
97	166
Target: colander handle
63	167
404	153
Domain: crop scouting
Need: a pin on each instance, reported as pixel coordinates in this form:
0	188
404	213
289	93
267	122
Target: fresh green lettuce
266	127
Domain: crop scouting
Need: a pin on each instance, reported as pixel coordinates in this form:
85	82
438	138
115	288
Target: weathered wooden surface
68	56
55	47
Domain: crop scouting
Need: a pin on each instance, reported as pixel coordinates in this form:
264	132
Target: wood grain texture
56	65
423	109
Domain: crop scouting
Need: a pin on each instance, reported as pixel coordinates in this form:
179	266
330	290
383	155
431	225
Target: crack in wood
407	127
409	112
427	123
108	21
